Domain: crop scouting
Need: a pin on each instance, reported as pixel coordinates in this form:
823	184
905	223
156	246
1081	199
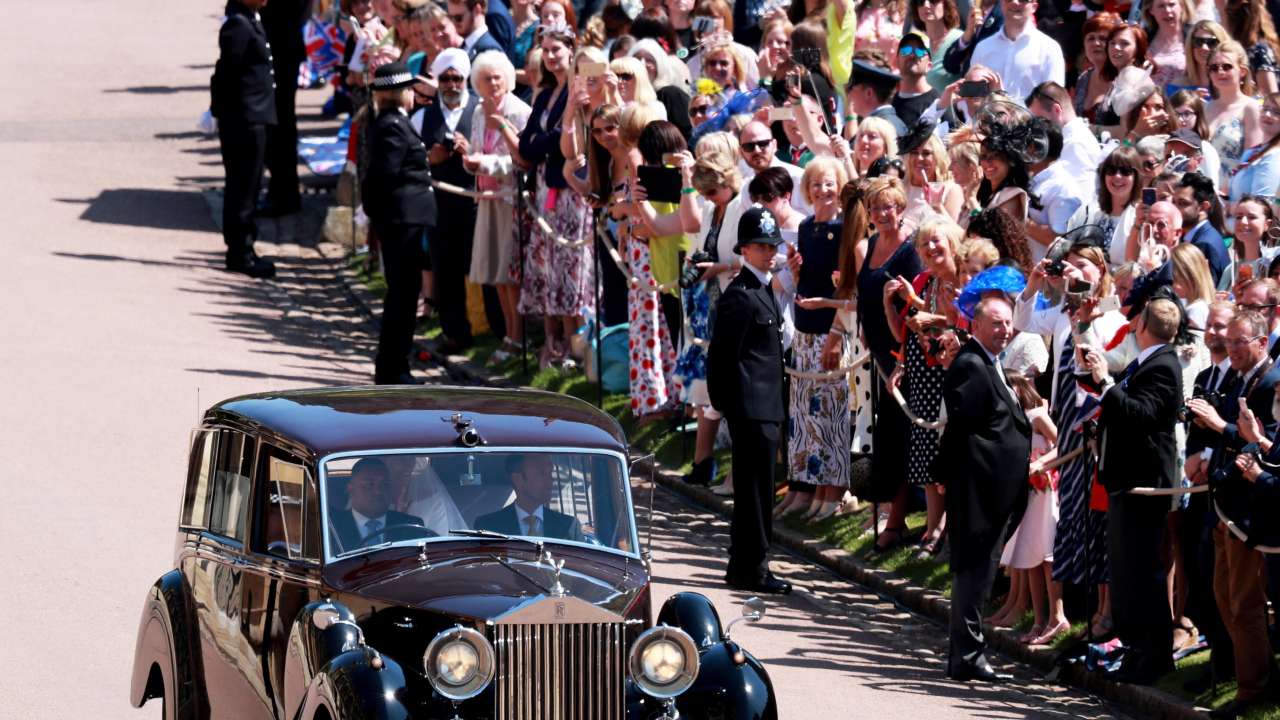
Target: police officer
243	89
284	21
401	205
744	379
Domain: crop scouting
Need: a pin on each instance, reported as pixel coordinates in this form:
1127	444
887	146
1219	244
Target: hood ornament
557	589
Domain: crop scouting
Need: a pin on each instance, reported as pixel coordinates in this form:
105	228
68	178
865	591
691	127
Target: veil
427	498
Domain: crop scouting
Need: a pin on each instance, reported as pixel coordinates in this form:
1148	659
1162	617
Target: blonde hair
817	167
632	122
717	142
944	228
716	168
980	250
880	127
635	66
885	188
1240	58
941	162
739	65
590	54
1191	270
1098	258
1196	74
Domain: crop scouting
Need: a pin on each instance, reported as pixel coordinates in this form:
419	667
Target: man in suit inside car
744	379
369	514
532	479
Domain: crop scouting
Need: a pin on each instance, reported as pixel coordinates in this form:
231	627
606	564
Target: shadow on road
158	89
146	207
184	261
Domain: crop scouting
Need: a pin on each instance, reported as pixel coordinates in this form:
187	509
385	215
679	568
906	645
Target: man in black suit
983	454
1238	570
744	379
531	478
401	206
370	515
284	20
1139	412
243	101
469	16
446	125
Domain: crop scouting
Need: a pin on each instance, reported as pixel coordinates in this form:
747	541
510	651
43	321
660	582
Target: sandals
1048	635
895	533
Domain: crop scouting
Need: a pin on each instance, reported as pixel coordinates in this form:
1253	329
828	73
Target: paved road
120	328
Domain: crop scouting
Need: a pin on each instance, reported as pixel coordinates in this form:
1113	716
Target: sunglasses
717	63
1150	165
757	145
908	51
451	79
698	110
1125	171
626	76
1221	67
1204	42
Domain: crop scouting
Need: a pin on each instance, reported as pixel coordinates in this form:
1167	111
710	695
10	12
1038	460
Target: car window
229	494
287	498
195	504
403	497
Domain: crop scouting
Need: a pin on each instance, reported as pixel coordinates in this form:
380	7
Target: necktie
1129	371
371	527
1213	378
532	522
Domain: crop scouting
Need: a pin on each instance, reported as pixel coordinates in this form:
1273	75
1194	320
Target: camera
691	273
1212	397
1055	268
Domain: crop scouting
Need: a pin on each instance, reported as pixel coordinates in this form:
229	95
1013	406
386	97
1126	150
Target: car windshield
404	497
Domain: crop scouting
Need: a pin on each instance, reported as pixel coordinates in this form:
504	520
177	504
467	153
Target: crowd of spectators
593	162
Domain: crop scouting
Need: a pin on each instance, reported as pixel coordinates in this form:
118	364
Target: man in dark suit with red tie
984	453
1139	412
744	380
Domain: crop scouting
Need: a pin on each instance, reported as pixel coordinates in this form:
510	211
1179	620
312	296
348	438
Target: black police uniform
284	20
401	205
744	380
243	101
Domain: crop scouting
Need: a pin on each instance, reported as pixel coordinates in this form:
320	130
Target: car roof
341	419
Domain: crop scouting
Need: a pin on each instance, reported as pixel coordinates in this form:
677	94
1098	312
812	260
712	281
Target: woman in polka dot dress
930	309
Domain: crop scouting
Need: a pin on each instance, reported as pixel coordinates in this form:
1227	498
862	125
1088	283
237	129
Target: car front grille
559	671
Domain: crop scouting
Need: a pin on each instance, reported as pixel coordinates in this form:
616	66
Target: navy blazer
498	19
555	525
985	447
1138	419
1209	241
1234	495
485	43
243	87
540	139
744	361
435	130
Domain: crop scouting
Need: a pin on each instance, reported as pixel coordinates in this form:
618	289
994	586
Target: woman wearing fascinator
1007	152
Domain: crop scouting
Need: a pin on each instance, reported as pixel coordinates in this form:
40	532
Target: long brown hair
857	221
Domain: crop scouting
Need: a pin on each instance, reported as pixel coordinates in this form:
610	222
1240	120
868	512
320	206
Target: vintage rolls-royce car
424	553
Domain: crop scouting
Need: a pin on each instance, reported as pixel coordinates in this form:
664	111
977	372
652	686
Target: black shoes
769	584
980	671
248	263
702	472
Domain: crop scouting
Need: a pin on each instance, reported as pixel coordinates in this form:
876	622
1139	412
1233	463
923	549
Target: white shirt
995	360
1080	149
1062	192
1024	63
454	116
362	523
797	197
765	277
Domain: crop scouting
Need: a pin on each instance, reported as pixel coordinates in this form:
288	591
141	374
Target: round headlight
664	662
459	663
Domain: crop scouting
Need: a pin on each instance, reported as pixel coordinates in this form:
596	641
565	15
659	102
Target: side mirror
753	610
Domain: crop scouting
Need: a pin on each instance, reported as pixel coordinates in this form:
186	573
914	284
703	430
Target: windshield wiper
526	578
495	535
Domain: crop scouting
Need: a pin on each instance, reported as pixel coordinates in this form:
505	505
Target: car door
284	575
232	678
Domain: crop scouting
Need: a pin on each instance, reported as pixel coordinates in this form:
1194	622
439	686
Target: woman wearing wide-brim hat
401	205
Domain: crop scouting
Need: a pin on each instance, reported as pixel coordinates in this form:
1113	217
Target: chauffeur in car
428	553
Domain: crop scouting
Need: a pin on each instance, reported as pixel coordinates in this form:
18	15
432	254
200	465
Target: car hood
481	581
